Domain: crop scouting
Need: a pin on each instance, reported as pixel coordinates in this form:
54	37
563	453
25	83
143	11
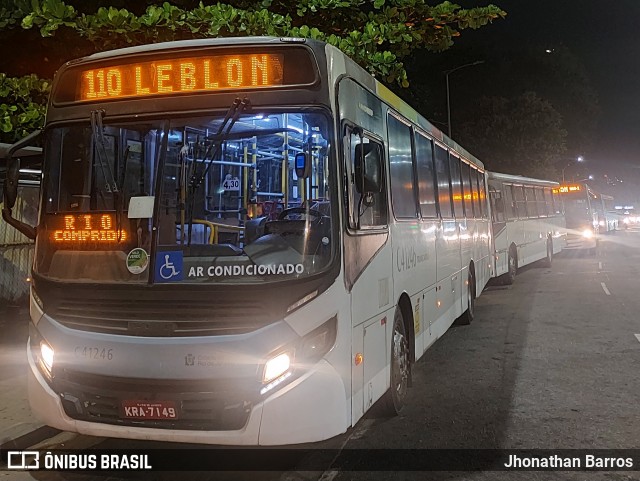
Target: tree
378	34
522	135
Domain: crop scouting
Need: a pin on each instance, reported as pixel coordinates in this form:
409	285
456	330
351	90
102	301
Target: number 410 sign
231	184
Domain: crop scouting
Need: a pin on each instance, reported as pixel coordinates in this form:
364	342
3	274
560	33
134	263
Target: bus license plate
149	410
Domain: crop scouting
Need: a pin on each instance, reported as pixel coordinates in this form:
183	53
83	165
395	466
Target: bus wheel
400	358
510	275
469	315
549	259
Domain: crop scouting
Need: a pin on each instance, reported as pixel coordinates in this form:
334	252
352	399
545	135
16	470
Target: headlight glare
587	233
276	367
46	356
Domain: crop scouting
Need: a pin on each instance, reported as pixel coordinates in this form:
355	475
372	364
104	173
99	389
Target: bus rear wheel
394	398
469	315
512	265
549	259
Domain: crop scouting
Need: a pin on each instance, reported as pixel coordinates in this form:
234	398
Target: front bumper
311	408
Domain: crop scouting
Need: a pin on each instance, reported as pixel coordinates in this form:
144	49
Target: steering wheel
301	210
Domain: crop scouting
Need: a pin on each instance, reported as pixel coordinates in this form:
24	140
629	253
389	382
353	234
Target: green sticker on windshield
137	261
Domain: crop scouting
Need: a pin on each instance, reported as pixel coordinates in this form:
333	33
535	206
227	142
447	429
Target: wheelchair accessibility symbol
169	266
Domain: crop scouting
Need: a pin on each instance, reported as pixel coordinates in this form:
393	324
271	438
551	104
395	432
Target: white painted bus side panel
418	323
414	256
321	392
357	374
483	256
375	335
448	267
371	301
428	310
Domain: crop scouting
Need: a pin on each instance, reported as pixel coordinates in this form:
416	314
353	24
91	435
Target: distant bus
527	219
608	218
242	241
584	214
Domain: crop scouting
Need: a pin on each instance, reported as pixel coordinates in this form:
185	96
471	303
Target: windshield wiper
196	179
119	194
97	130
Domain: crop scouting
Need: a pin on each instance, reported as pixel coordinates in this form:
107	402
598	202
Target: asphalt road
550	362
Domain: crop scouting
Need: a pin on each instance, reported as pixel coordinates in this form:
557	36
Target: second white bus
528	223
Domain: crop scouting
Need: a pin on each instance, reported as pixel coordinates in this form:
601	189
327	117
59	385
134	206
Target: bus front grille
158	318
202	405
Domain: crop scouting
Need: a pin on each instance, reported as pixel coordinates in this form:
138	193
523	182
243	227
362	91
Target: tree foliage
378	34
22	106
523	135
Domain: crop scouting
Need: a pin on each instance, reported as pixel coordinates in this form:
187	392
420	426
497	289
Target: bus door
499	227
368	268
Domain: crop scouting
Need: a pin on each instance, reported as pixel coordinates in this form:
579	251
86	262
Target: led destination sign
99	228
182	75
565	189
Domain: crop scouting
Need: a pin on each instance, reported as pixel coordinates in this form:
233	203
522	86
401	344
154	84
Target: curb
24	441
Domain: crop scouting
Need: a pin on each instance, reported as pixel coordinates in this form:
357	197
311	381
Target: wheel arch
404	303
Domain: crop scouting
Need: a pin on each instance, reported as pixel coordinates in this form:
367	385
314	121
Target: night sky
605	36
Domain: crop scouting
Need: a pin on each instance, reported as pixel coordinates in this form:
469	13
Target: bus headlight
276	367
46	356
299	356
587	233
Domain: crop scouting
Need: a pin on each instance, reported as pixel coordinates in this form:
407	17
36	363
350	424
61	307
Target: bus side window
444	187
509	206
456	186
521	207
370	214
426	176
466	189
481	197
532	208
403	198
549	200
497	206
475	194
542	204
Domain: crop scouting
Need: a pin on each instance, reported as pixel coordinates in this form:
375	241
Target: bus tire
547	261
393	400
469	315
512	264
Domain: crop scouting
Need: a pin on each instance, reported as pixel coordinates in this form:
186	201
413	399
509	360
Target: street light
580	158
446	73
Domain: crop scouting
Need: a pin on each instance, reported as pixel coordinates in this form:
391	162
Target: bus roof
187	44
519	179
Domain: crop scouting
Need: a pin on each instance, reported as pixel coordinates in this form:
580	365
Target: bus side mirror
368	168
11	183
303	165
10	189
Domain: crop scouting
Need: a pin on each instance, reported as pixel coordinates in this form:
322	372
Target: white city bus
242	241
528	222
584	211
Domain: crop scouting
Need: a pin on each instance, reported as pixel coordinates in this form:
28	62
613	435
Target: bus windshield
200	199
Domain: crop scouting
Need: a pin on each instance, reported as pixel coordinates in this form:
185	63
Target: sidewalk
18	428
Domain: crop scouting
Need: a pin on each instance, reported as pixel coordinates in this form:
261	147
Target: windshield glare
228	205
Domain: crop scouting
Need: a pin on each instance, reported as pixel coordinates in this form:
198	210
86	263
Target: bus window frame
419	133
347	130
416	209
